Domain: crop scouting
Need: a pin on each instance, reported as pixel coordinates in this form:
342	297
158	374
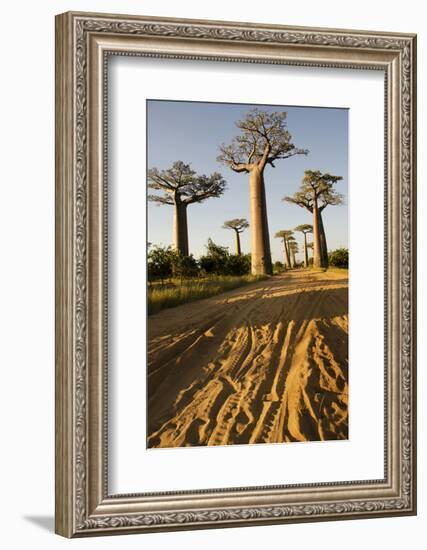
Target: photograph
247	274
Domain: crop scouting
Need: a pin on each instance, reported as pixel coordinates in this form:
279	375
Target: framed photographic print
235	274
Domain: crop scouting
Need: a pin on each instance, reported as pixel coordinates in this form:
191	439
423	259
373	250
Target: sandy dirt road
265	363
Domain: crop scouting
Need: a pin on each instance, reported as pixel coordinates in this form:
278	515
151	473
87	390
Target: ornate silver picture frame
84	42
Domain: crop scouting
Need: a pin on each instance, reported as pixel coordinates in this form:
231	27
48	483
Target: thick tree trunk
323	244
305	251
260	242
293	261
238	249
287	259
317	258
180	229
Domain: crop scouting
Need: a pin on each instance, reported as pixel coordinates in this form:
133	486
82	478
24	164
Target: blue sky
192	132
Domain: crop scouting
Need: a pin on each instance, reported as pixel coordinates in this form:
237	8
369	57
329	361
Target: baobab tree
182	186
315	194
263	139
238	225
291	243
285	234
309	247
328	197
293	249
305	228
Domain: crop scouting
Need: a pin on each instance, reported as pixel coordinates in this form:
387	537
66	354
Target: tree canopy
284	234
183	183
304	228
316	185
264	138
238	224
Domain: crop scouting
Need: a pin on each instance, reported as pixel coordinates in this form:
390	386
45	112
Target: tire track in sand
261	364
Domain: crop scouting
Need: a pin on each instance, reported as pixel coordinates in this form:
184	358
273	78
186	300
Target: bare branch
240	167
160	200
304	200
265	156
254	147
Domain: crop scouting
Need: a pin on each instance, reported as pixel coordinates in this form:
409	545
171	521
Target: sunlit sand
266	363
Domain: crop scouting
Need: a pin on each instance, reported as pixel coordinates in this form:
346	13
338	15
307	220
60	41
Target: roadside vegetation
177	292
339	258
174	279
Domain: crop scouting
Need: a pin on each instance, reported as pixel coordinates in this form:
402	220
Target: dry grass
342	270
331	269
176	292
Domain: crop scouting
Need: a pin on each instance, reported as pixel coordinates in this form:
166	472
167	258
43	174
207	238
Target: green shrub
184	267
159	265
215	260
278	267
208	265
218	261
164	263
339	258
238	265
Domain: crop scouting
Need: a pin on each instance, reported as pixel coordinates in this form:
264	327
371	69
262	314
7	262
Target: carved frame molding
83	43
